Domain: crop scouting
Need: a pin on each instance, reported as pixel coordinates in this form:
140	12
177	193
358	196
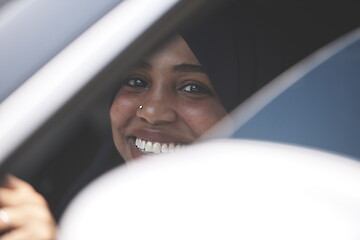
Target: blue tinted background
320	110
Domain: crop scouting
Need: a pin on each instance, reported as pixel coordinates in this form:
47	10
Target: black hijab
237	52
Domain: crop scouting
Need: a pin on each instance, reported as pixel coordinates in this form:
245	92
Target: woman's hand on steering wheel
24	213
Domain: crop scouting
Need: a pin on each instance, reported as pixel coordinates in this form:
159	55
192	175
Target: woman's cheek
202	116
123	107
122	110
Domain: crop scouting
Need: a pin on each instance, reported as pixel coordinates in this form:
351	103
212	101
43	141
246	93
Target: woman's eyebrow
143	64
188	68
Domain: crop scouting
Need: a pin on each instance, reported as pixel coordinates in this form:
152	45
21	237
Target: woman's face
178	103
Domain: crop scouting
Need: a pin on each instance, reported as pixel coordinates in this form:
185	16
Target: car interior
75	146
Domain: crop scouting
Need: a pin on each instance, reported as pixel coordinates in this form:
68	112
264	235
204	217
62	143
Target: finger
31	232
26	189
10	197
13	182
22	194
4	220
7	196
35	230
15	235
9	181
18	217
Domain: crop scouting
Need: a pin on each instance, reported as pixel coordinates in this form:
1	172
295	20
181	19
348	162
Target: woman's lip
159	136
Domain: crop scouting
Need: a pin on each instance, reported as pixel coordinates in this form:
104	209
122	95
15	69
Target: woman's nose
157	108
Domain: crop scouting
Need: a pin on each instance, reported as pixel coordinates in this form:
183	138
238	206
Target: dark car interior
75	146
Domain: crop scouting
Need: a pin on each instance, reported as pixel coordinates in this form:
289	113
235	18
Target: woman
165	102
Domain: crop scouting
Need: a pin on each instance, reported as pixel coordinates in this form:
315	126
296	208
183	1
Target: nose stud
141	107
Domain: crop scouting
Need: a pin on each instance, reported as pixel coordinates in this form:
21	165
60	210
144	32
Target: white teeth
171	147
142	144
150	147
164	148
177	148
156	147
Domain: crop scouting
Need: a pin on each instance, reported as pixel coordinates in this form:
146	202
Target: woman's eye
196	89
136	83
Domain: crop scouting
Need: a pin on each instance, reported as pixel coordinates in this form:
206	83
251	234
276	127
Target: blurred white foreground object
224	189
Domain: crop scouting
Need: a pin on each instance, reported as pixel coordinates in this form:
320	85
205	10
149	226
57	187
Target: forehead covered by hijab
213	43
240	50
242	47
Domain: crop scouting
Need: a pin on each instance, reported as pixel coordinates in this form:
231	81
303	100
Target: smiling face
178	103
